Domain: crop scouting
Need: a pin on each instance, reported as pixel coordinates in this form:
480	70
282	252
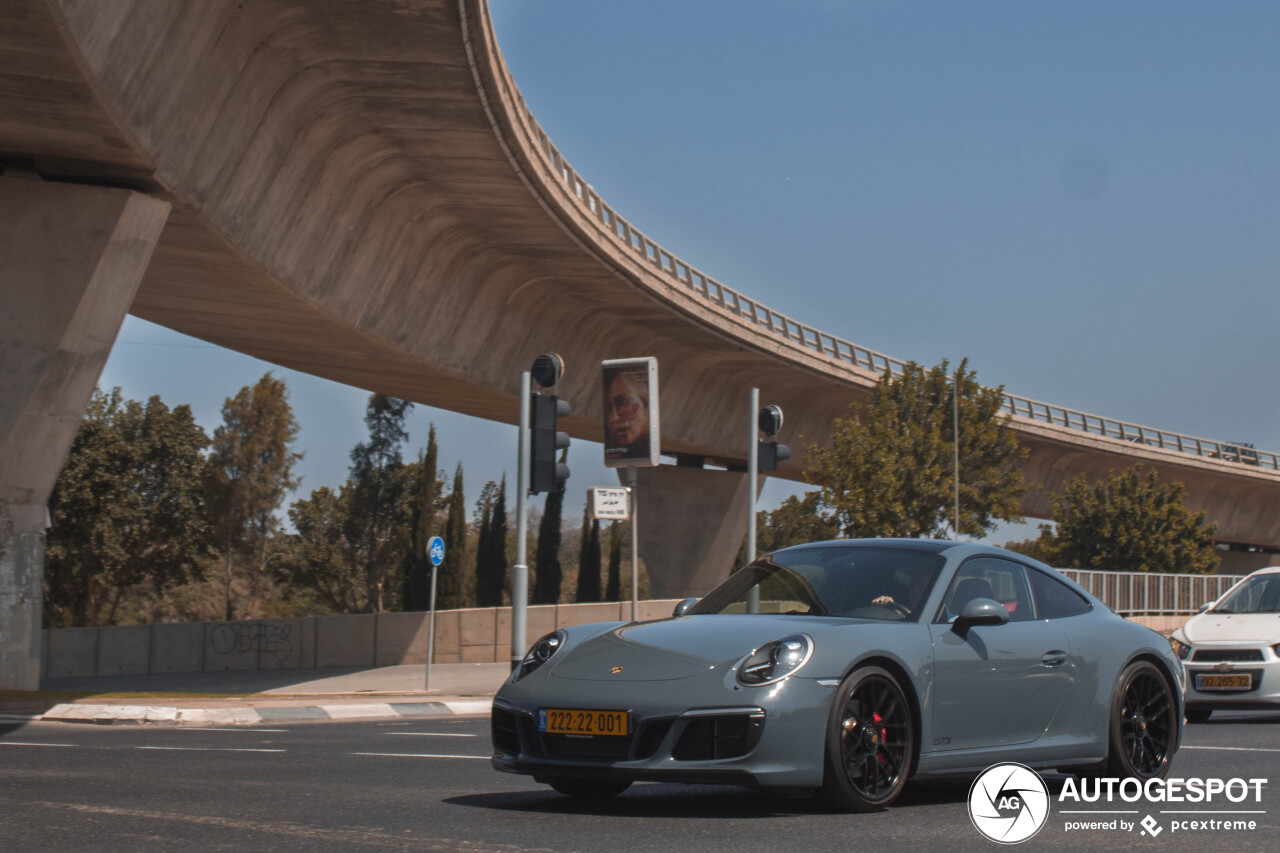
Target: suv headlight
540	652
775	661
1181	649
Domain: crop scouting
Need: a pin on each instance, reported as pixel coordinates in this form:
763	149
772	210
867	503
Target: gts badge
941	741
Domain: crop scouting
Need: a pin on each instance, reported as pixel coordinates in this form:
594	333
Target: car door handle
1054	658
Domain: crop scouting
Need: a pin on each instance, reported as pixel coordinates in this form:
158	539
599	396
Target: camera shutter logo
1008	803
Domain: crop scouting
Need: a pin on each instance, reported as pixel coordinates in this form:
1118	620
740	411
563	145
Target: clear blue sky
1079	197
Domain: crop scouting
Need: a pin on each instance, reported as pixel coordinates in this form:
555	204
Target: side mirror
981	611
683	607
1204	607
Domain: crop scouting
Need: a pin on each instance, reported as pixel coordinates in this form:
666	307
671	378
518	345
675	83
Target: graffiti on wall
262	637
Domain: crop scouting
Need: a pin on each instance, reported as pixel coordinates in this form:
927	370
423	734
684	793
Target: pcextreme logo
1008	803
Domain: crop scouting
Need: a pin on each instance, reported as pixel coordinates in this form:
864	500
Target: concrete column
71	258
692	523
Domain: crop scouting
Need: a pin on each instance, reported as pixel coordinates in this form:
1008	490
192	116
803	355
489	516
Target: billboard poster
630	412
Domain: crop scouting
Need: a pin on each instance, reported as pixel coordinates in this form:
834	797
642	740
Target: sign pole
431	630
520	571
635	547
435	551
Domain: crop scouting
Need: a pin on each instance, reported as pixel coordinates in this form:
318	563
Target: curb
154	715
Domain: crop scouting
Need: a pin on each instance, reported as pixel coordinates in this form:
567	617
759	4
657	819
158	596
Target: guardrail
751	312
1146	594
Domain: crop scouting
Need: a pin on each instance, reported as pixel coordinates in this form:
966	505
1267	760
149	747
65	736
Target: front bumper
1258	661
696	731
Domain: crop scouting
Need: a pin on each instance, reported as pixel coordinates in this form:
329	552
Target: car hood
1233	628
678	648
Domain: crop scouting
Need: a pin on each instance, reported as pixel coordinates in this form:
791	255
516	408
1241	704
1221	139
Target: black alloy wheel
1144	728
870	742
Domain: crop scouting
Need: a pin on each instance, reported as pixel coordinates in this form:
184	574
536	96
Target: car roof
932	546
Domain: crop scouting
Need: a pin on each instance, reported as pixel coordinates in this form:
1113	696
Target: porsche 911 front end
620	702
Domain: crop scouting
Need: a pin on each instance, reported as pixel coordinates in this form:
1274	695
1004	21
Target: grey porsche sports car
847	667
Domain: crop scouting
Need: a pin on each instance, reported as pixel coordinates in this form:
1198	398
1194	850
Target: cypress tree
546	584
451	592
613	588
491	571
589	563
425	505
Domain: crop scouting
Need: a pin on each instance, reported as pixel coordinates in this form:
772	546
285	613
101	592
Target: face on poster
630	412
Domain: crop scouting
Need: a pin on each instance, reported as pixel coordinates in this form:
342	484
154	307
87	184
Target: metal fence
685	277
1144	594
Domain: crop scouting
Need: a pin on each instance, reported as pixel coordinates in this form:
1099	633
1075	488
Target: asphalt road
427	785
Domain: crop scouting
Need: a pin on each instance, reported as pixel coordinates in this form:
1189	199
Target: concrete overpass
355	188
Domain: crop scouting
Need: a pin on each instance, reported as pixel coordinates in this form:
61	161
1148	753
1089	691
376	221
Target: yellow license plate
1224	682
566	721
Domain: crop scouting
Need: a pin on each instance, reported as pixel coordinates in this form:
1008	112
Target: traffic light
769	452
545	441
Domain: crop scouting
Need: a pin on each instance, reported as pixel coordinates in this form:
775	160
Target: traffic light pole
520	571
753	466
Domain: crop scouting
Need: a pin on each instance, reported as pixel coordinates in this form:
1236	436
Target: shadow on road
714	802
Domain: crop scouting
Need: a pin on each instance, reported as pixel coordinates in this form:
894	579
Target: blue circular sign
436	549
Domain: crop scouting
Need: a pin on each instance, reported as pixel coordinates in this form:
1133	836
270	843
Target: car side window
1002	581
1054	599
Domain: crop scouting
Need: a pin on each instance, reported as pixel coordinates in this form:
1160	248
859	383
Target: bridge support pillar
71	259
692	523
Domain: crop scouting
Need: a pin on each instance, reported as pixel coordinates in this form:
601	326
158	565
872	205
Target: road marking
430	734
420	755
29	743
1233	748
206	749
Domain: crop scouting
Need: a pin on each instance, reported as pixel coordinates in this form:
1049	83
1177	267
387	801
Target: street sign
436	549
608	504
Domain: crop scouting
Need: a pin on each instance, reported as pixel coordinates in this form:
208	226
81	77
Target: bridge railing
751	312
1150	594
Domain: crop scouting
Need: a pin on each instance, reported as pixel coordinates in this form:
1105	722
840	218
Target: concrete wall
479	635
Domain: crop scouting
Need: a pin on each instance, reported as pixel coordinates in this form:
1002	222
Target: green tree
889	468
451	582
320	556
377	510
491	549
589	560
613	584
795	522
546	561
425	486
250	472
127	510
1128	523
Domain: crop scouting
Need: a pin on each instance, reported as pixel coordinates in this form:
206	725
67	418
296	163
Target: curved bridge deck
360	192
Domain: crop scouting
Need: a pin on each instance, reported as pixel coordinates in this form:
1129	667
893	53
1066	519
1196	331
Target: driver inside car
906	589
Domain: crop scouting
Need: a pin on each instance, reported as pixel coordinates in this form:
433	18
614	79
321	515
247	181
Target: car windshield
868	583
1258	594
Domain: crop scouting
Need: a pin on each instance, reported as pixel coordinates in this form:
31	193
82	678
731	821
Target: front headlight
540	652
775	661
1181	649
